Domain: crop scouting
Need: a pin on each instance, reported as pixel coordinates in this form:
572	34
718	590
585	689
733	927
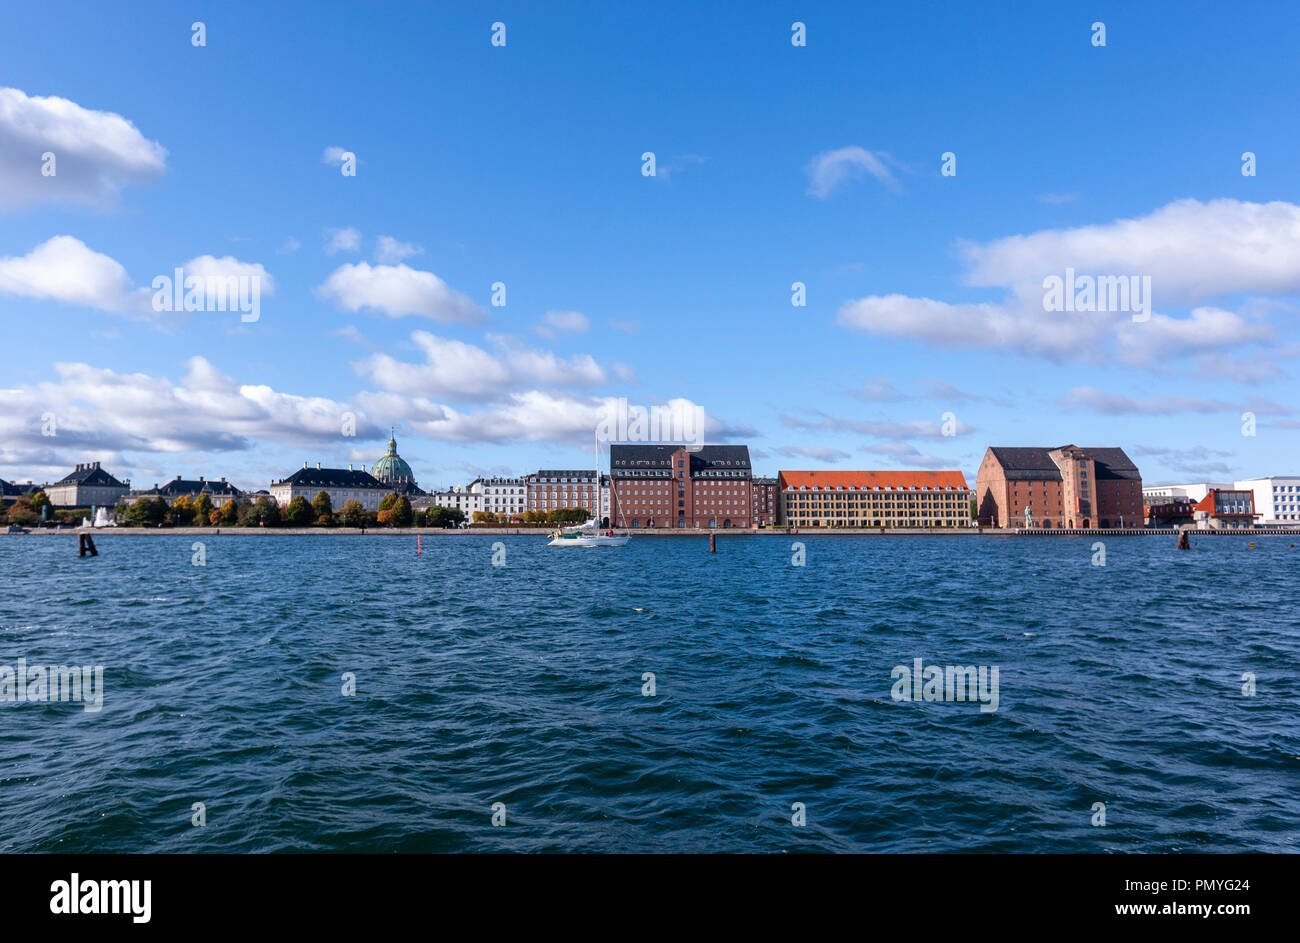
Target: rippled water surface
522	684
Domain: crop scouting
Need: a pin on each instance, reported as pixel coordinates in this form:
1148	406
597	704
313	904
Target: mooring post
713	543
1184	541
86	544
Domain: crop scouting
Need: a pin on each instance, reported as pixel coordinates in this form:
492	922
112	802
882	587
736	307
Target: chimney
318	465
349	466
200	477
97	464
304	464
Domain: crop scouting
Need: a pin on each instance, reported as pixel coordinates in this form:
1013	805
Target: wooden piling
713	543
86	544
1184	541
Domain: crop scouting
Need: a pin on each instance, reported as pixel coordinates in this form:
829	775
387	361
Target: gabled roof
90	474
332	478
1020	464
1114	464
179	486
873	479
623	458
1035	463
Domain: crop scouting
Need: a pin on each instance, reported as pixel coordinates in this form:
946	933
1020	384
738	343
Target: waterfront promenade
655	532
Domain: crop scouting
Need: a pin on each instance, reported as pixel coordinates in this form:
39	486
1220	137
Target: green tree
156	511
41	505
299	513
202	510
390	499
229	513
264	512
181	511
354	515
323	508
21	513
402	515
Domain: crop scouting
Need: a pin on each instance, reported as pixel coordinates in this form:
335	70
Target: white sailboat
588	534
583	536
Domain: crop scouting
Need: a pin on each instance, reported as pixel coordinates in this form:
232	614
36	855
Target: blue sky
522	164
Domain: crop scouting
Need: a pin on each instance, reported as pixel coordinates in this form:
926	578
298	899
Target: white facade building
1195	492
468	502
1277	499
342	485
504	497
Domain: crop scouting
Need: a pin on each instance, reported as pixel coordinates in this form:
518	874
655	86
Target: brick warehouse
1062	487
671	486
874	499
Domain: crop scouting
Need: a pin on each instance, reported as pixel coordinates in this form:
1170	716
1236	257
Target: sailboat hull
588	540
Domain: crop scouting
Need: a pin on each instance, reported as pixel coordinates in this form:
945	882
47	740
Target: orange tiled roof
872	479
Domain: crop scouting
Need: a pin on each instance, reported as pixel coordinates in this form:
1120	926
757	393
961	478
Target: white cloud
456	370
397	291
66	270
877	428
333	155
346	239
819	453
1118	404
981	325
389	251
1190	250
100	409
290	245
569	322
96	153
829	169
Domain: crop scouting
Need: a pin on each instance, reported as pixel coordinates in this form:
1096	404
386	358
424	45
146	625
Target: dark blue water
522	684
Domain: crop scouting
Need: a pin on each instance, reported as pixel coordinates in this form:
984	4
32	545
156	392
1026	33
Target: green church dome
392	468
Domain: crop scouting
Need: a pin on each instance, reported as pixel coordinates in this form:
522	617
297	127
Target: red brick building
552	489
1227	508
765	505
1069	487
670	486
879	499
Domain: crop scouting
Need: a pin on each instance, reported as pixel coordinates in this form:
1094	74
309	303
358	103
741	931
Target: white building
504	497
604	497
341	484
87	485
1195	492
1277	499
467	502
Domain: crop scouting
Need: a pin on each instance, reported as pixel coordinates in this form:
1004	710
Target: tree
322	508
229	513
299	513
402	515
202	510
389	500
41	505
156	511
264	512
181	512
21	513
354	515
484	517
